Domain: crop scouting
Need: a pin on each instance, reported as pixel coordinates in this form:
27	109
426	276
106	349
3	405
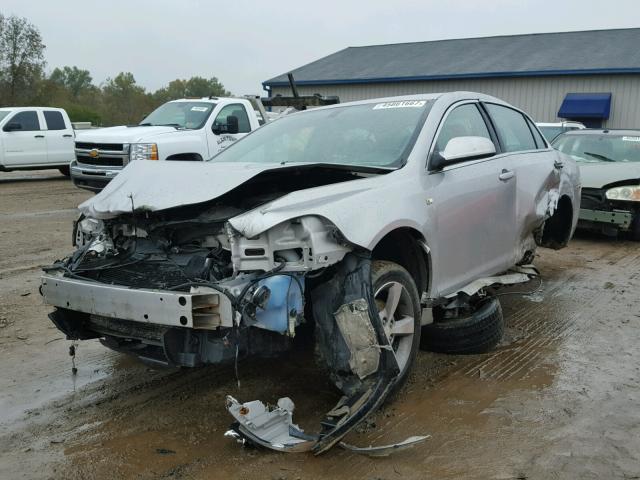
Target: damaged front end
178	290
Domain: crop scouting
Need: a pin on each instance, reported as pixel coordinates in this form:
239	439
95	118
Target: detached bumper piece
355	348
274	429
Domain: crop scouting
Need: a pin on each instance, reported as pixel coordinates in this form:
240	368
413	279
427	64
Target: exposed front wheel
65	171
398	303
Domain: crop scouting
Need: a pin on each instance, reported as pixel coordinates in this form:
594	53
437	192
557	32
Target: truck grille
108	154
109	161
114	147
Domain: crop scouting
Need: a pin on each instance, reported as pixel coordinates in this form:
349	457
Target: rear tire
476	333
402	323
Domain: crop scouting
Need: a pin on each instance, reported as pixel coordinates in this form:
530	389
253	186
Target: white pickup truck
34	138
187	129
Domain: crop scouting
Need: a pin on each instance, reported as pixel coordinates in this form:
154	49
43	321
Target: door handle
67	135
38	136
505	175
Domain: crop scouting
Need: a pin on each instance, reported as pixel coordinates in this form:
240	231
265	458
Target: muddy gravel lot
559	398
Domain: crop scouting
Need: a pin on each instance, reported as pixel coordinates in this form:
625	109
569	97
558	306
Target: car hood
600	174
124	134
155	186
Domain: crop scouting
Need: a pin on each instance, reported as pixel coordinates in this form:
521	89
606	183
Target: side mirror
462	148
232	124
12	127
230	127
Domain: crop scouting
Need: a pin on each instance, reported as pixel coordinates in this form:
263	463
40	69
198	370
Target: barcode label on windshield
199	109
631	139
403	104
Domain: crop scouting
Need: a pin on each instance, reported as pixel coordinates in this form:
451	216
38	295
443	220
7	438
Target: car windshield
4	113
600	147
370	135
191	115
551	132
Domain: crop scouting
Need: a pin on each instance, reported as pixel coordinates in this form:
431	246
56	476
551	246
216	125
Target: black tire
635	228
383	272
65	171
477	333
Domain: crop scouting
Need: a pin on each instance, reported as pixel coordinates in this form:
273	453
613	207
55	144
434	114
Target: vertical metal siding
539	96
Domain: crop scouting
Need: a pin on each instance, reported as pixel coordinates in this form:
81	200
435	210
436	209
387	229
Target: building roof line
512	35
540	73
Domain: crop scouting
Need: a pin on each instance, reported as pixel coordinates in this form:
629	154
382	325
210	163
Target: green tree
74	79
193	87
21	60
124	101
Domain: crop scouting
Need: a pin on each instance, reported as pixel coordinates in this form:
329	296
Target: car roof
603	131
12	109
449	97
558	124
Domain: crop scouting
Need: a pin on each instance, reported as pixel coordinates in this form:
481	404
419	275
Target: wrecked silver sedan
374	222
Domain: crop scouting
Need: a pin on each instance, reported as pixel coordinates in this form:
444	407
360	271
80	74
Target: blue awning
585	105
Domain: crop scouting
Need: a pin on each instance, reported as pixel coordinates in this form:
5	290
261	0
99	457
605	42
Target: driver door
473	205
26	145
220	141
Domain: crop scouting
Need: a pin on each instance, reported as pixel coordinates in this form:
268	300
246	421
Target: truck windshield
191	115
369	135
603	147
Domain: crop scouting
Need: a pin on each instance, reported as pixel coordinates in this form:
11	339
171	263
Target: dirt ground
559	398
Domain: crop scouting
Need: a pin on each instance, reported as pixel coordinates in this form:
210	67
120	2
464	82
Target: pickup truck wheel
399	308
475	333
65	171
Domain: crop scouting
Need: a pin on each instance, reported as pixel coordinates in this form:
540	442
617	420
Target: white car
34	138
188	129
363	220
552	130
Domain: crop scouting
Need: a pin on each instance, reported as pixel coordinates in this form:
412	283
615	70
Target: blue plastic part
286	297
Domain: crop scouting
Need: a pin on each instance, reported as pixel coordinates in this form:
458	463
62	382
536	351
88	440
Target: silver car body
436	197
476	218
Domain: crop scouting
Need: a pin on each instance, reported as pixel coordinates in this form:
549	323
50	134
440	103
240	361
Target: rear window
512	129
54	120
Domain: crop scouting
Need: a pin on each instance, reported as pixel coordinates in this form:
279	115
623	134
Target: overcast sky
244	43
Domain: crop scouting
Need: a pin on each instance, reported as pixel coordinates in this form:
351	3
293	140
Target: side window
28	120
54	120
463	121
537	135
513	132
237	111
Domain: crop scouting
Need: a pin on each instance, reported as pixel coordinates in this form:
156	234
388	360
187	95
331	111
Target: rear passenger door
59	135
474	206
534	163
27	144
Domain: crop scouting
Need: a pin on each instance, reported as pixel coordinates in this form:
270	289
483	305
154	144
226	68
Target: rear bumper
200	309
92	177
617	219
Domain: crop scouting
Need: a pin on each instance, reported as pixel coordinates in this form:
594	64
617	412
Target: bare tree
21	59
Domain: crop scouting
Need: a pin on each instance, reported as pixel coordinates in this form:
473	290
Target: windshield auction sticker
199	109
631	139
402	104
